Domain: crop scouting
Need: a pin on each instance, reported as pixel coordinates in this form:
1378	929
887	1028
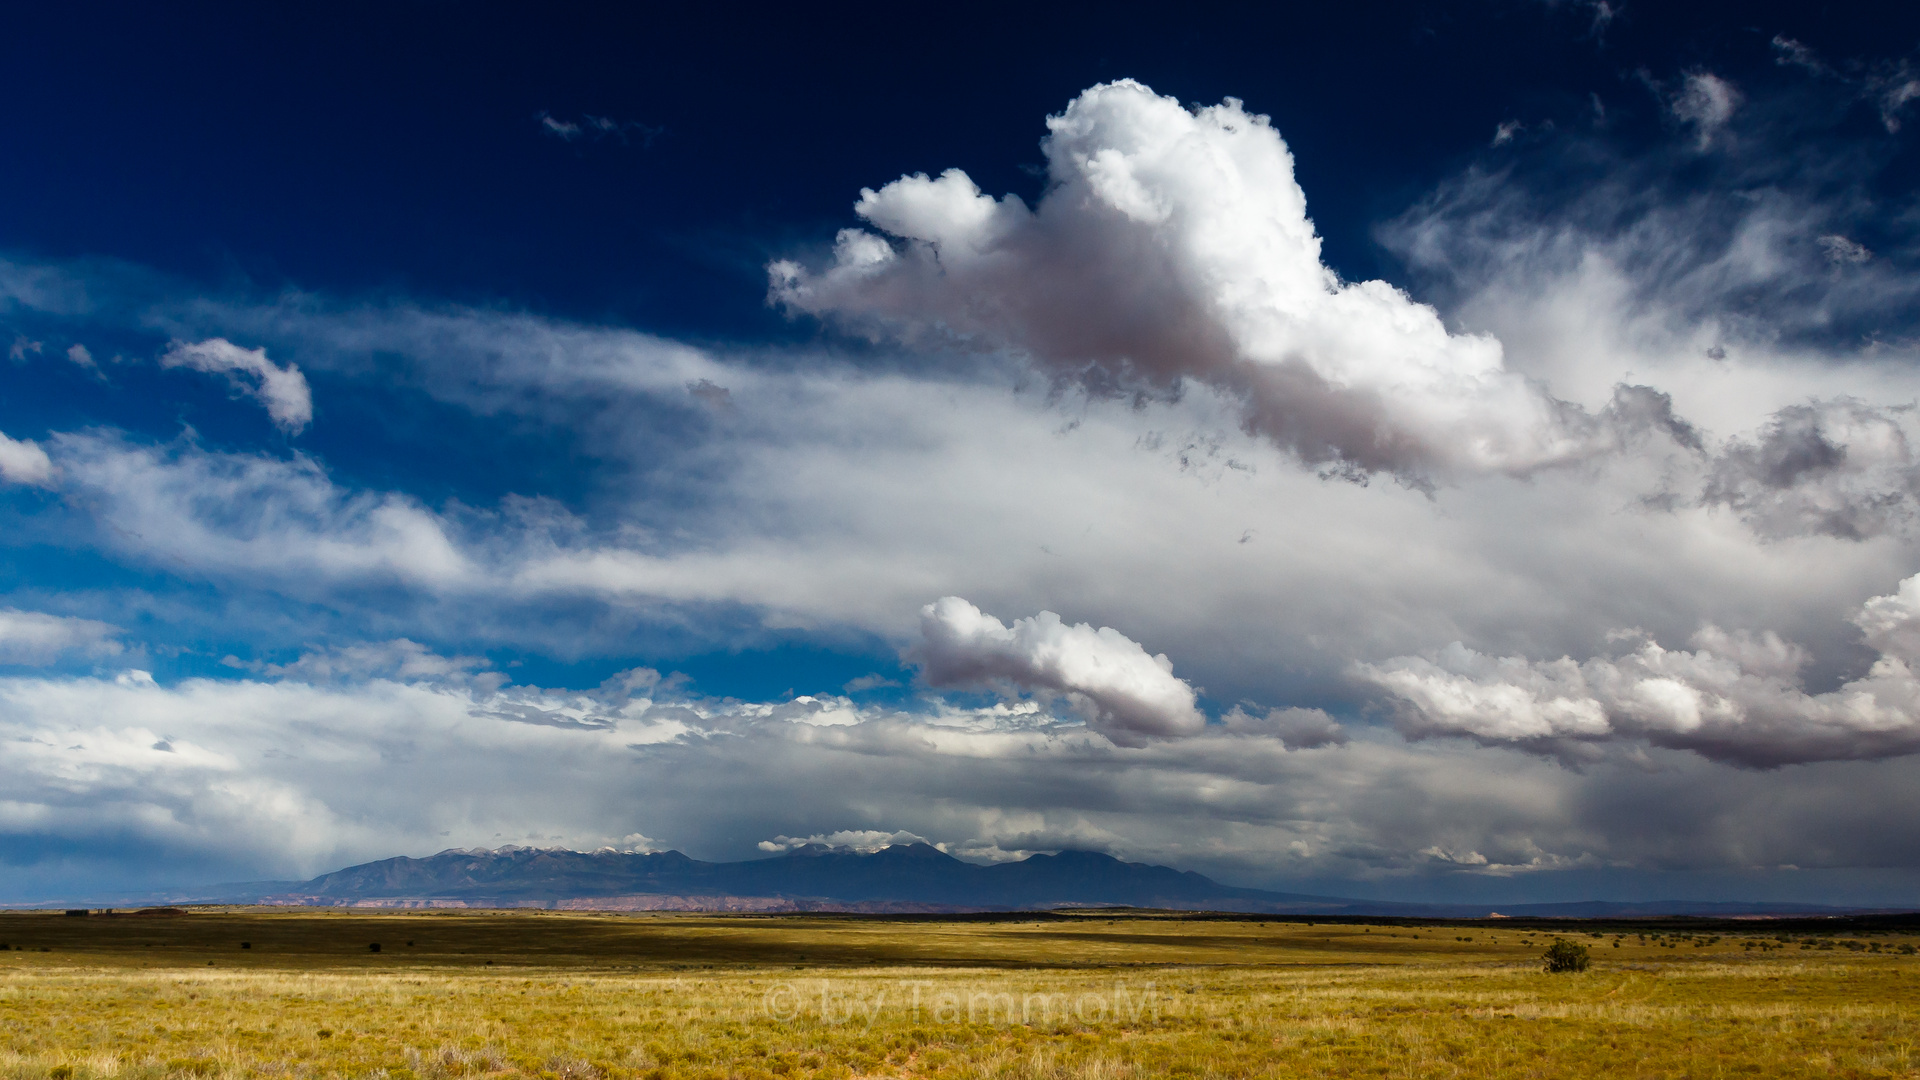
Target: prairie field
301	993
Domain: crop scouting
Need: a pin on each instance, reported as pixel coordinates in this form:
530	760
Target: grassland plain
230	993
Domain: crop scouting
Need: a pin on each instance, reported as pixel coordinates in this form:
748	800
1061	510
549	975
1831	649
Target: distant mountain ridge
899	879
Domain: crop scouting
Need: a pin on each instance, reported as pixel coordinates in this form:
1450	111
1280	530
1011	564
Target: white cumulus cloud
1131	693
282	389
23	462
1175	244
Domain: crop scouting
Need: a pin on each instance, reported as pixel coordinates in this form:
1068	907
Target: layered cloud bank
290	777
1735	697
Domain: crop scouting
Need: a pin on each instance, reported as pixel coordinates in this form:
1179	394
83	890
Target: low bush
1564	955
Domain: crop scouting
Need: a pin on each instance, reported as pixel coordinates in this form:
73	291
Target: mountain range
904	878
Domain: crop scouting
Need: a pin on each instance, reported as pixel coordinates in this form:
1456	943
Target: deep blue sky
394	151
393	147
441	212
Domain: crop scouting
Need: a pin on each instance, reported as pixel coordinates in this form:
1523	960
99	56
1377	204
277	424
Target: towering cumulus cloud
1173	244
1735	697
282	389
1131	694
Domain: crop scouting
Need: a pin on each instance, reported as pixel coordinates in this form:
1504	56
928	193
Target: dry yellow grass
584	997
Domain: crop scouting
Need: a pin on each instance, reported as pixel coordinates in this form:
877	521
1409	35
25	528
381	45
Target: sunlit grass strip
677	1000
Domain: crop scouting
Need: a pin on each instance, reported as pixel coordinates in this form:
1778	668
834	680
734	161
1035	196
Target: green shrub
1564	955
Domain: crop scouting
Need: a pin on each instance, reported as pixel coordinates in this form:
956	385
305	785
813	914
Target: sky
1428	451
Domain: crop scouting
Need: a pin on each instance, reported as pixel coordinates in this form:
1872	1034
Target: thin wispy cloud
282	389
594	128
1705	102
37	638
